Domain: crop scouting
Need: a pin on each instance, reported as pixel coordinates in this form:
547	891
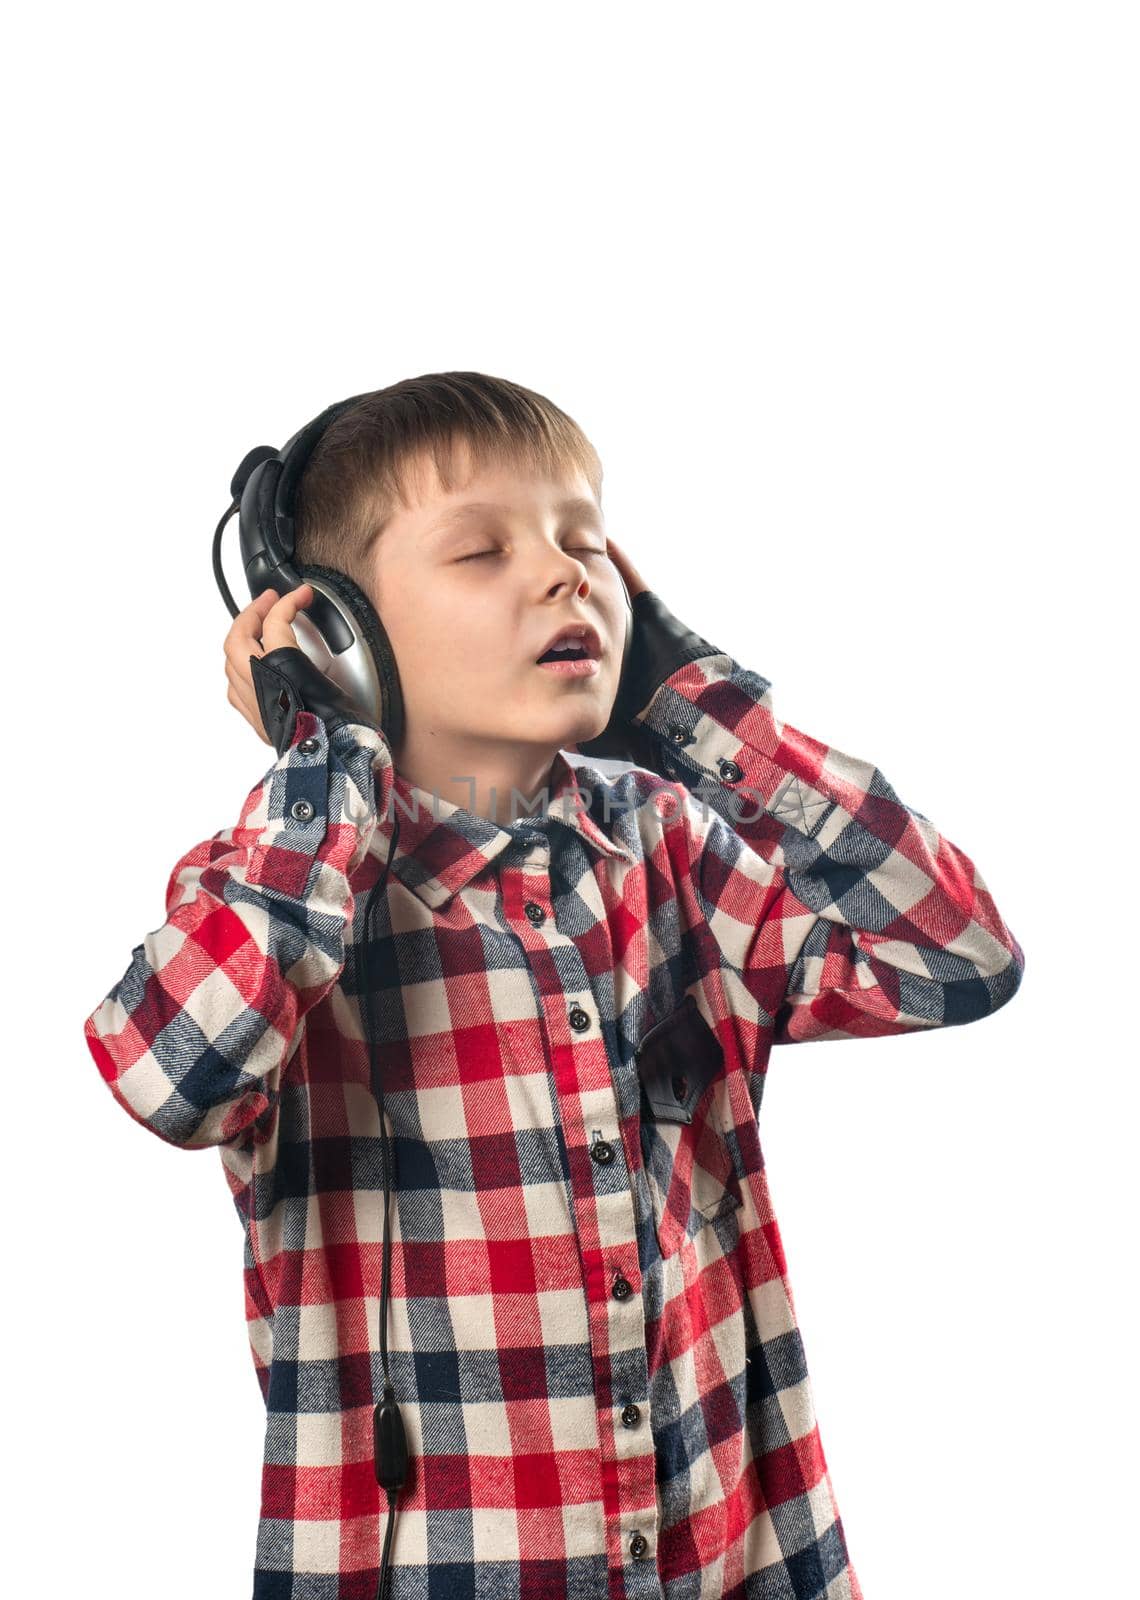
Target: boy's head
469	598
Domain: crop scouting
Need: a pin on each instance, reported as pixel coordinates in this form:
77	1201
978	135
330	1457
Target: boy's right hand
271	677
264	625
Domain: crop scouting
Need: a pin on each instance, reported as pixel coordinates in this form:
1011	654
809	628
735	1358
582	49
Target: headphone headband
339	630
294	458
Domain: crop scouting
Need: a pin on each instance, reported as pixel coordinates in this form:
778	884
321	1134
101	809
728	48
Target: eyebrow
580	508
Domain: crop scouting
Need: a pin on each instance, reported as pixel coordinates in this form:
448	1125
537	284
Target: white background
845	296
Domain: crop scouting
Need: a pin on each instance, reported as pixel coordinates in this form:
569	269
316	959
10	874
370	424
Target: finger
259	608
634	582
241	687
294	600
617	555
241	679
238	698
244	636
276	630
254	719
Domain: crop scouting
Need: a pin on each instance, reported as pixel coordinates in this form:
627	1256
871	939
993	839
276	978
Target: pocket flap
676	1061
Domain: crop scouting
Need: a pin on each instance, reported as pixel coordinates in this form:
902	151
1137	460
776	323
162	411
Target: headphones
340	630
341	633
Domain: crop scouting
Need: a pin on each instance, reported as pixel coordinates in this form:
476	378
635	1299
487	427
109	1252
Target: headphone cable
389	1442
219	575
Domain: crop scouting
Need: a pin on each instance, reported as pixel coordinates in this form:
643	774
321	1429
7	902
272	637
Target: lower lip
570	669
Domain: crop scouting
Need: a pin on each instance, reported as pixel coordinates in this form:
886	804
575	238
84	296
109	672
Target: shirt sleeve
193	1037
846	911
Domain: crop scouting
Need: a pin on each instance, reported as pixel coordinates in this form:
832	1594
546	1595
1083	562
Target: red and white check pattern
593	1339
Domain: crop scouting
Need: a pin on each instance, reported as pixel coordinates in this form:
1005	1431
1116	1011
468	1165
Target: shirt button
302	810
730	772
602	1152
309	747
631	1415
638	1545
535	912
622	1288
579	1019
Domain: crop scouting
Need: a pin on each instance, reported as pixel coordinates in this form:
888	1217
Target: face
471	597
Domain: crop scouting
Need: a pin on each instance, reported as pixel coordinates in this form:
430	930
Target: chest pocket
689	1167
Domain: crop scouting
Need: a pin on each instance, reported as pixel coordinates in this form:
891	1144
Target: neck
479	776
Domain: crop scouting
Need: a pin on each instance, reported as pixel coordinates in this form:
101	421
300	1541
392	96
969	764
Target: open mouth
573	662
571	651
575	641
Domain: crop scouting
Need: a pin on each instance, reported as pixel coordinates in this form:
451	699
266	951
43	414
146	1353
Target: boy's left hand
659	643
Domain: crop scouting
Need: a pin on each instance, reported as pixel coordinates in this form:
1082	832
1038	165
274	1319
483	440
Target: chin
555	733
559	725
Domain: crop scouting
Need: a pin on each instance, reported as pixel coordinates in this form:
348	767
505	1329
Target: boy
594	1344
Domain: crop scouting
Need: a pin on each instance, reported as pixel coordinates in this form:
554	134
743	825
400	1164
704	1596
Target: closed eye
478	555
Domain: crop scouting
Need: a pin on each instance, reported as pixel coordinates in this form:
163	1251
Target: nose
575	579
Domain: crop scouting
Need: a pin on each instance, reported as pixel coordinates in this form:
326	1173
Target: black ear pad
366	621
627	642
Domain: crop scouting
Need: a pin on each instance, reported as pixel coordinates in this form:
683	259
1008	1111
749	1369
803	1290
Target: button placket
584	1086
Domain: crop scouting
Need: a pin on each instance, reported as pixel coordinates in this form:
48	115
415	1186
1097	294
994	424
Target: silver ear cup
352	669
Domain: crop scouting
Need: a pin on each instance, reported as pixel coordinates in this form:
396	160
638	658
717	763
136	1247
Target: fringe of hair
368	461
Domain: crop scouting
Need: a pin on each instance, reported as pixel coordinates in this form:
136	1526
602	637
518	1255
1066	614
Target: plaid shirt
593	1339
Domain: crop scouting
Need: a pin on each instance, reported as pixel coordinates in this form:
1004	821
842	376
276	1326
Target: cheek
417	620
458	631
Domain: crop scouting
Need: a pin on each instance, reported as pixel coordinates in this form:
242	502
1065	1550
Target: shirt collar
440	846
